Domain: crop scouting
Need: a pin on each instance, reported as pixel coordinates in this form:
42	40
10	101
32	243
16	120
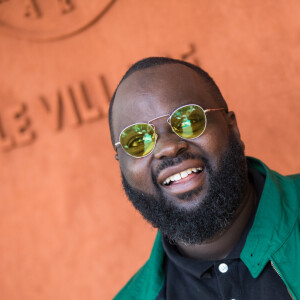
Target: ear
233	127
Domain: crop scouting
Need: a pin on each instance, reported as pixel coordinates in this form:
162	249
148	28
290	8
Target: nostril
181	147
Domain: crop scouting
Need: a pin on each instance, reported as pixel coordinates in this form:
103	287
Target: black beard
212	215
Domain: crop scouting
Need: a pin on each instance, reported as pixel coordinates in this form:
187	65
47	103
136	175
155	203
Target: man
228	225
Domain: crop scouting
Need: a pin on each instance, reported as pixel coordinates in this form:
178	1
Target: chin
187	201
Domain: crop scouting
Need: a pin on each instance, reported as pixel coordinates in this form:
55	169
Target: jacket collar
275	217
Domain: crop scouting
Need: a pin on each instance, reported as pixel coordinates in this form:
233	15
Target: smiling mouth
178	177
185	177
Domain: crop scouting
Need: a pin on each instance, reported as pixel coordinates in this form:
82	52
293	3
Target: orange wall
67	231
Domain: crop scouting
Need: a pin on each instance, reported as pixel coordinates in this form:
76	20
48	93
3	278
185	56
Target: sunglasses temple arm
116	145
213	109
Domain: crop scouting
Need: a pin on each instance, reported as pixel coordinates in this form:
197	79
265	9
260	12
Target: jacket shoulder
132	286
148	281
295	178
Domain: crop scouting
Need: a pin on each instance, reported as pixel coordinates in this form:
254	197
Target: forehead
156	91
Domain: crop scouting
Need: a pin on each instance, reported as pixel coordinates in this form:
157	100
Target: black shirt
229	278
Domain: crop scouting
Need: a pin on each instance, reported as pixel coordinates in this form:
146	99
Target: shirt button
223	268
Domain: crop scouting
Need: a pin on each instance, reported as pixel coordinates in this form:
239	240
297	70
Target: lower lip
187	184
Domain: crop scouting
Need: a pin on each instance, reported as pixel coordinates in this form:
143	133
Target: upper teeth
182	174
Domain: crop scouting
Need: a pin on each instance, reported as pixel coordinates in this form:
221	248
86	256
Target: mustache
173	161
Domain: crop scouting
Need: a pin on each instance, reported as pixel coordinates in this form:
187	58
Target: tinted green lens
188	121
138	140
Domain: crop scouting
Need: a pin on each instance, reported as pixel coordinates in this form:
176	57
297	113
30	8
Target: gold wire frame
169	122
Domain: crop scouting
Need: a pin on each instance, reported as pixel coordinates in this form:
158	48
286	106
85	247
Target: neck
222	244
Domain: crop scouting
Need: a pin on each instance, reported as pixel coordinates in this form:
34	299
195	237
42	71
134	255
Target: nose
169	145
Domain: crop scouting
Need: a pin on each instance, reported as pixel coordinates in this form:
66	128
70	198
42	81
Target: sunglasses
188	122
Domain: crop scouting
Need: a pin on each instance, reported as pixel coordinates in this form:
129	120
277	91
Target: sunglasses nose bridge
157	118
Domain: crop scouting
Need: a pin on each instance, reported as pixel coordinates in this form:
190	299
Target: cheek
215	143
218	142
137	172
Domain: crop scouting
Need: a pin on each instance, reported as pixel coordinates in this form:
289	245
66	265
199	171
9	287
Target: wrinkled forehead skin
155	91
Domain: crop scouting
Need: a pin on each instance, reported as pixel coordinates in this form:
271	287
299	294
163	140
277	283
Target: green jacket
274	236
